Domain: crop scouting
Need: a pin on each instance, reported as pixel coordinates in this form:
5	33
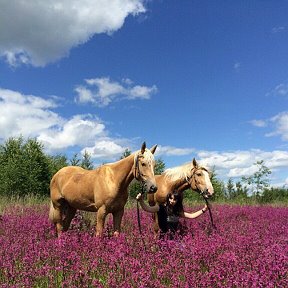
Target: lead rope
139	219
210	213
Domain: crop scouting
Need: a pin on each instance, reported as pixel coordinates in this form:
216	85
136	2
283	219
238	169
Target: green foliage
125	154
24	168
159	166
86	162
75	161
56	163
259	180
277	195
219	187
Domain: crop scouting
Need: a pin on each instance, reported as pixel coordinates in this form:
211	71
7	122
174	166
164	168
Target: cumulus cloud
102	91
105	149
33	116
40	32
25	114
80	130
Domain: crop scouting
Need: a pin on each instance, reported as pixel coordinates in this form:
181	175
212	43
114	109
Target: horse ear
153	149
195	164
143	147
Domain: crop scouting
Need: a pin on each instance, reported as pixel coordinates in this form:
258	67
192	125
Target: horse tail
52	213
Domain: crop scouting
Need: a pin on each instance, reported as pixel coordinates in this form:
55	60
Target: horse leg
117	218
69	215
101	216
55	216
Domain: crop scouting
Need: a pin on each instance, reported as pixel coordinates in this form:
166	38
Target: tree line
26	169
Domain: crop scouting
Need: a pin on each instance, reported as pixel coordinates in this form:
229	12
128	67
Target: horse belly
79	197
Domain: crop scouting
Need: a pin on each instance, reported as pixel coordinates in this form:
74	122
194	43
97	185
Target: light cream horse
103	190
181	178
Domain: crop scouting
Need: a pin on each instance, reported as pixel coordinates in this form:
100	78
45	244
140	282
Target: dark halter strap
202	193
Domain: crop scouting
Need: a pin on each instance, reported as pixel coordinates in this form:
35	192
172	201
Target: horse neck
124	170
180	184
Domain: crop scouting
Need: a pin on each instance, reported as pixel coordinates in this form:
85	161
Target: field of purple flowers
248	249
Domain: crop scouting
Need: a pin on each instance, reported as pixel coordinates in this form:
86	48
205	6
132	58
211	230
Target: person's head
174	200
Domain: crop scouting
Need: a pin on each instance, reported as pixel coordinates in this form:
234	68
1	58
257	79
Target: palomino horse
189	175
103	190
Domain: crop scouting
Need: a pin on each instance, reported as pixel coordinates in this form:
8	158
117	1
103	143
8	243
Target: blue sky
203	79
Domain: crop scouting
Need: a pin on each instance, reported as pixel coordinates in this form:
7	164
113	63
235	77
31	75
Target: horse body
103	190
181	178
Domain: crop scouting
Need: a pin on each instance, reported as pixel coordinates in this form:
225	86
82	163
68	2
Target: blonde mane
147	155
179	172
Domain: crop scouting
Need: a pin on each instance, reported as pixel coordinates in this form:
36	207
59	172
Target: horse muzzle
206	193
151	189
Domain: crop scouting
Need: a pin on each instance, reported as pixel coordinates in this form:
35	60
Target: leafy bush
24	168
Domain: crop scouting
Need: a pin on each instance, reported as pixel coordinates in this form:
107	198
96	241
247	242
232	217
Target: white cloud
25	114
141	92
280	122
173	151
280	90
102	91
258	123
105	149
40	32
32	116
278	29
241	163
235	164
81	130
237	66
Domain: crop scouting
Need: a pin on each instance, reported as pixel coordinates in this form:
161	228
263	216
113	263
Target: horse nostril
153	188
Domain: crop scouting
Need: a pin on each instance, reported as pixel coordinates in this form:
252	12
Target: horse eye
199	174
143	164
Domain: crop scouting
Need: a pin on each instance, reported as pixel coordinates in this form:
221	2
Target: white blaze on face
208	183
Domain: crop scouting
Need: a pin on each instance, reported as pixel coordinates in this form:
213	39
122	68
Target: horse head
144	163
200	180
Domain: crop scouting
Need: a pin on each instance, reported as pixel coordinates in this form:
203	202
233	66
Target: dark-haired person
169	213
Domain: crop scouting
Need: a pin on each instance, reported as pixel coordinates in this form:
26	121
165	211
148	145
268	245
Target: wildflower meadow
248	248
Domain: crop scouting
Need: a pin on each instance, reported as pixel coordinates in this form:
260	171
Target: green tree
56	163
275	194
86	161
259	180
125	154
219	187
230	188
241	192
159	166
24	168
75	161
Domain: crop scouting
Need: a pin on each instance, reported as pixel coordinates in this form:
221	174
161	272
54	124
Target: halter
188	179
202	193
136	172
